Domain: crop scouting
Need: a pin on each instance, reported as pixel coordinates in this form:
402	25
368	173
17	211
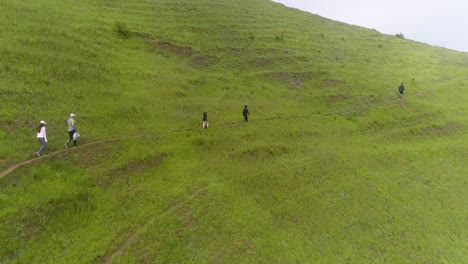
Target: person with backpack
71	130
401	89
246	114
41	137
205	120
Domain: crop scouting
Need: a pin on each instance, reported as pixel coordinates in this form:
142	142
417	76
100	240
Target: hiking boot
66	145
38	154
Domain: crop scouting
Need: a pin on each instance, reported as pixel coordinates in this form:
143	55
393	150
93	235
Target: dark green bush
122	30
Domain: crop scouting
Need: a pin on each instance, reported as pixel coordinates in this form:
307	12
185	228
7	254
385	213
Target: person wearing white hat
42	137
71	129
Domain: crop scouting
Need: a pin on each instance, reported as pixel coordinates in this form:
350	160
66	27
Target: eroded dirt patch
337	98
167	48
294	80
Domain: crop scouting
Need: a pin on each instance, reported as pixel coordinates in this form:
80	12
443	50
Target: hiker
205	120
71	130
41	137
401	89
246	114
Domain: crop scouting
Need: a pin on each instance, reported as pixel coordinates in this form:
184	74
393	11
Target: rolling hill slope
332	168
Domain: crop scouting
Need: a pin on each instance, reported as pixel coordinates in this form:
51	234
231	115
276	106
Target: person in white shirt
42	137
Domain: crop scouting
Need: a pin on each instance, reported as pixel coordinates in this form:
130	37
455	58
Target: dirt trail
227	124
109	257
55	153
134	234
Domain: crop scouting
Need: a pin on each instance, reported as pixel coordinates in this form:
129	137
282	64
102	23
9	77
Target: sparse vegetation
400	35
331	168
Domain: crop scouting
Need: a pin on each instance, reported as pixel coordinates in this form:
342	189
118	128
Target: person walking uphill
246	114
401	89
71	129
205	120
41	137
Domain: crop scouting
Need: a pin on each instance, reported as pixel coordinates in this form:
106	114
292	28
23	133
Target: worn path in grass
230	124
134	234
109	257
55	153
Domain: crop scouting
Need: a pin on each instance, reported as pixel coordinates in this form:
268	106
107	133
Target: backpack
76	136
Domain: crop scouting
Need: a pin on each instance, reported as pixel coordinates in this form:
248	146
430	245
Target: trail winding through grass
134	234
12	168
55	153
109	257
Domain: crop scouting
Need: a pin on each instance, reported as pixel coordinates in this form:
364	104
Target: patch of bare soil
294	80
337	98
296	84
167	48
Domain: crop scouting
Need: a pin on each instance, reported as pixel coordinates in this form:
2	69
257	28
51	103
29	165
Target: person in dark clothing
246	114
401	89
205	120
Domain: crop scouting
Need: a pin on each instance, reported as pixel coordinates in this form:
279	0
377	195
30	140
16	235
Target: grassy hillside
332	167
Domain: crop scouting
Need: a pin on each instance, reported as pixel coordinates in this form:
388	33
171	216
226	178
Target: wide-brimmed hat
43	122
72	114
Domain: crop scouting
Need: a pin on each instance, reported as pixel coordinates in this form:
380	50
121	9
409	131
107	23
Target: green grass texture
332	167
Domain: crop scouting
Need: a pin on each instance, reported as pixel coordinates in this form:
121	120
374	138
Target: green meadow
332	167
